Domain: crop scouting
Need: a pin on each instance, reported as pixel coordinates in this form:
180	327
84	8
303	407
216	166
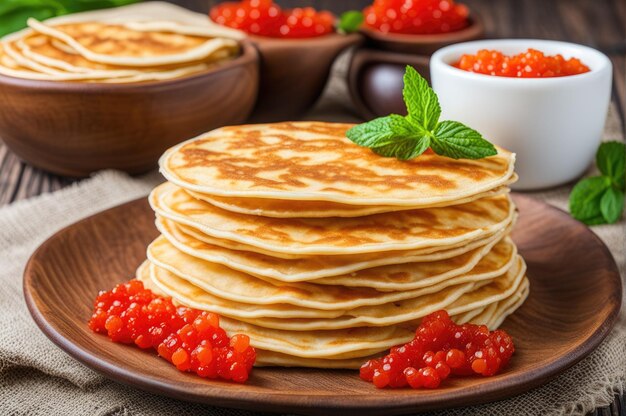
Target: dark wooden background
597	23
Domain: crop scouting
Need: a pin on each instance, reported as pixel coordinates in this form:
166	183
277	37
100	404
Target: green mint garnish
600	199
350	21
408	137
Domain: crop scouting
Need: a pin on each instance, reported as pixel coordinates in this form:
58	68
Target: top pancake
314	161
118	44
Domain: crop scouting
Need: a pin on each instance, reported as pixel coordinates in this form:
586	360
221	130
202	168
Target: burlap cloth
37	378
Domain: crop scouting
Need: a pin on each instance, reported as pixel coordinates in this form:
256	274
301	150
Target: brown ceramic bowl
77	128
375	74
294	73
422	44
375	80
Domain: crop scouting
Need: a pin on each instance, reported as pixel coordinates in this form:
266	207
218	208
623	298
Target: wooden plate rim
220	394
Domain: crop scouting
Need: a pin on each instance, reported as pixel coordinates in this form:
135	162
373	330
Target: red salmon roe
264	18
416	17
440	348
529	64
190	339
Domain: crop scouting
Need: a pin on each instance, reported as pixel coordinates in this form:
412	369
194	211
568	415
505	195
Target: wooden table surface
597	23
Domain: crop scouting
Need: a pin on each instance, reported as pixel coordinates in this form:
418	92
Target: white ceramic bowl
553	124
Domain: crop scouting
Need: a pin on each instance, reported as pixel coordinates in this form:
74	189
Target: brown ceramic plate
575	295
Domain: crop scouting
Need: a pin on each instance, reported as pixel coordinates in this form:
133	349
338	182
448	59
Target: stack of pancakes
85	48
325	253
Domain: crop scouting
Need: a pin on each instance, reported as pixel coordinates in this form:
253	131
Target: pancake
315	209
404	230
431	253
56	56
10	67
278	208
116	44
314	161
306	268
508	306
455	299
485	262
274	359
344	344
193	296
229	284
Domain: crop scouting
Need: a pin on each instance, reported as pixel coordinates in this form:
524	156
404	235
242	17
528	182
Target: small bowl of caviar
419	26
545	100
400	33
297	48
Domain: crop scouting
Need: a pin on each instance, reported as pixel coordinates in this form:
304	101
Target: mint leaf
612	205
350	21
421	101
391	136
408	137
456	140
404	148
586	197
611	160
375	132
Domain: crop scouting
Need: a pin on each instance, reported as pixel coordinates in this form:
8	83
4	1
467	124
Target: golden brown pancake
314	161
404	230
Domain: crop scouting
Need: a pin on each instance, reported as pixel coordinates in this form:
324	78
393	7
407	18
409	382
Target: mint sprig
600	199
408	137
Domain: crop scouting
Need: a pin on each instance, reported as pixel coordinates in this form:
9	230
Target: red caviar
529	64
264	18
440	348
416	17
190	339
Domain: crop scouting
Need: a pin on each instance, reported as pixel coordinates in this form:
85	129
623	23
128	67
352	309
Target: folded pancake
314	161
488	261
117	44
229	284
403	230
491	315
346	343
49	55
450	250
305	268
284	208
456	299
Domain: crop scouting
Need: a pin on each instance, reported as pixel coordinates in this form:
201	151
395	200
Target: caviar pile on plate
264	18
416	17
529	64
188	338
441	348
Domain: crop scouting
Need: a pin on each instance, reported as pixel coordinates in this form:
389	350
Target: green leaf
408	137
612	205
421	101
586	197
611	160
373	132
456	140
14	13
391	136
350	21
404	148
74	6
